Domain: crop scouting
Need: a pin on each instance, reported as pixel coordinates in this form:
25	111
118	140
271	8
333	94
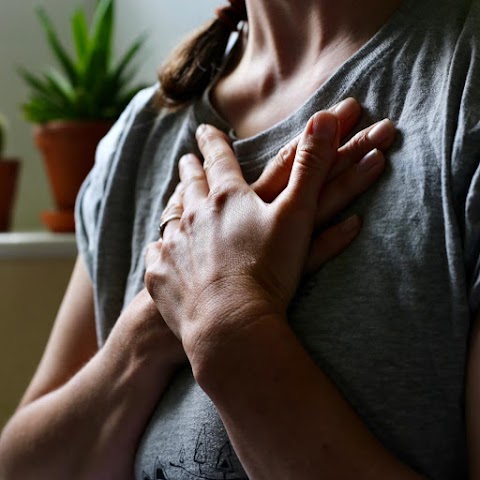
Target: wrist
217	350
142	334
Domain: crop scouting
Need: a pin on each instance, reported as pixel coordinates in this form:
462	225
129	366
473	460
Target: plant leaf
102	35
130	54
61	54
60	86
41	110
34	82
80	34
97	60
92	88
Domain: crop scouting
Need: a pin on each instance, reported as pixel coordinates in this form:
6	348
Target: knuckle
188	219
282	156
283	160
219	197
174	203
167	254
192	179
151	279
213	158
360	141
227	188
171	210
286	153
208	139
308	157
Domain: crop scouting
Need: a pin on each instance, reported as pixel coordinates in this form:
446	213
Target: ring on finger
164	222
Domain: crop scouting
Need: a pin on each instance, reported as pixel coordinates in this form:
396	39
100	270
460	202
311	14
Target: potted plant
9	168
75	107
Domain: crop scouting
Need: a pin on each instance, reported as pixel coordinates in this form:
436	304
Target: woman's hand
141	321
235	255
223	276
358	165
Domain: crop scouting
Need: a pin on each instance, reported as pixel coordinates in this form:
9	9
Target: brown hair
191	67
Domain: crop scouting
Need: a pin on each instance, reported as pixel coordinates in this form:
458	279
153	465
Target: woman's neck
290	48
286	34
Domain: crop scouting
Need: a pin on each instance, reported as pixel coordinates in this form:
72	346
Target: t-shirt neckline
333	90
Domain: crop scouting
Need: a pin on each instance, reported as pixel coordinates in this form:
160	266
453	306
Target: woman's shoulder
142	101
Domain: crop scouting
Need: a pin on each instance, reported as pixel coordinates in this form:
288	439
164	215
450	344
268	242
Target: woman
388	321
87	407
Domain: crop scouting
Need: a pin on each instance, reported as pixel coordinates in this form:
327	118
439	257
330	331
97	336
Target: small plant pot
58	221
9	171
68	150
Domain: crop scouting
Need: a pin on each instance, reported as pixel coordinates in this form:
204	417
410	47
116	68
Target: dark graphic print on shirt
201	463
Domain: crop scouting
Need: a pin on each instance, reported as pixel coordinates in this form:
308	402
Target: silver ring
163	224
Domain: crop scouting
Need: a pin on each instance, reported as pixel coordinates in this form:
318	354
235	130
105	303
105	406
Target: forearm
90	427
284	416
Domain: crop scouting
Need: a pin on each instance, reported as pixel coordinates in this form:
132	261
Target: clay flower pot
9	170
68	150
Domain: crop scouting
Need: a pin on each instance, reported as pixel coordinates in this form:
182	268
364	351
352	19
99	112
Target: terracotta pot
68	150
9	169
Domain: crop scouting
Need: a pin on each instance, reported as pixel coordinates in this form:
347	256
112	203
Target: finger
342	190
220	163
275	176
380	135
315	154
332	242
172	213
348	112
194	180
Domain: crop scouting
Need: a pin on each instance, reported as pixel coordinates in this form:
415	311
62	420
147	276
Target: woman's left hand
232	257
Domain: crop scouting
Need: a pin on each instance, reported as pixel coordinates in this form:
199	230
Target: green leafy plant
90	85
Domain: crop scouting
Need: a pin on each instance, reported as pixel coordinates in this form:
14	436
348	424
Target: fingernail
184	160
200	130
325	127
381	131
370	160
350	224
344	106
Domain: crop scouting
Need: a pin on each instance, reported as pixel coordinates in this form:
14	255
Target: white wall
166	21
22	43
25	325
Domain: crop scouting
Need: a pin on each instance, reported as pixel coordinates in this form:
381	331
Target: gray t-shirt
389	319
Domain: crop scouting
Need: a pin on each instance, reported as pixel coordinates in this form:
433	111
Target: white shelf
31	245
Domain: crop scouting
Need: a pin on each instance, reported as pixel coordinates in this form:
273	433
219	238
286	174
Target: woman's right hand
359	164
229	228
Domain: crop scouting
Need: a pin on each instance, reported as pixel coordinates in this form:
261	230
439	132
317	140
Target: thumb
315	155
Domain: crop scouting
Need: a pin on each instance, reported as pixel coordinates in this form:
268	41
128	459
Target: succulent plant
3	134
91	86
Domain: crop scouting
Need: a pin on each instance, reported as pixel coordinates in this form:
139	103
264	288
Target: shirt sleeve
467	155
464	102
472	241
92	192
